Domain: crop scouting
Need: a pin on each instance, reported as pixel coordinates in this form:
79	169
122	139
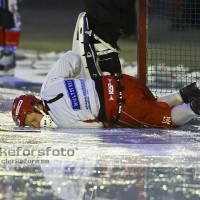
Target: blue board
20	84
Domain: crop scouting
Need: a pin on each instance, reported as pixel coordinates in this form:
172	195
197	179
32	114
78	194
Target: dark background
48	25
46	4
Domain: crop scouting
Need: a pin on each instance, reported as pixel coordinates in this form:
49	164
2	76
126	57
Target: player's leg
11	42
2	40
171	99
104	17
12	28
156	114
183	113
82	46
2	33
190	95
185	95
143	108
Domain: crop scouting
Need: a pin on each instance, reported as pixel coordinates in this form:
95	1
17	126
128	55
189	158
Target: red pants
141	108
9	37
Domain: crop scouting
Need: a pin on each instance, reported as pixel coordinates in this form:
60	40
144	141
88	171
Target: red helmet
22	105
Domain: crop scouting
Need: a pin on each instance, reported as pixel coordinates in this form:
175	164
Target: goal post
168	43
141	37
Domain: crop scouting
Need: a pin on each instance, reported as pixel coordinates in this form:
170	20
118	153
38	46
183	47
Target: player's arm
67	66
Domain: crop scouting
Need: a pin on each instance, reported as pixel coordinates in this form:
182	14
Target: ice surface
104	164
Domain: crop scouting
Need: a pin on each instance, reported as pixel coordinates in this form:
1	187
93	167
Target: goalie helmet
22	105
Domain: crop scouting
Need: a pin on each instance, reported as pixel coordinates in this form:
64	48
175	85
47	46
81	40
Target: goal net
168	43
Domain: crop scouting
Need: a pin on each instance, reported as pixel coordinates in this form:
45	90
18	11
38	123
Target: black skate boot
7	64
195	106
190	92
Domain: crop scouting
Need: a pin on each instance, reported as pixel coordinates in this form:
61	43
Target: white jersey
77	103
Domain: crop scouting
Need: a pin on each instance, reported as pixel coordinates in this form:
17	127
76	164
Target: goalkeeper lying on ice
104	101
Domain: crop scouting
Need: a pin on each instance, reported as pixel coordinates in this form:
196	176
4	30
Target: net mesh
173	44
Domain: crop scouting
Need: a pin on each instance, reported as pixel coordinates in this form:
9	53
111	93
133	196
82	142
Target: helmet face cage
21	106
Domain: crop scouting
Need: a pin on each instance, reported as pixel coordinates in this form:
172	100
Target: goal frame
142	39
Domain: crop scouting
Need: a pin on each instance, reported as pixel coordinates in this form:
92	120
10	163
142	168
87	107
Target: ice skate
7	64
190	92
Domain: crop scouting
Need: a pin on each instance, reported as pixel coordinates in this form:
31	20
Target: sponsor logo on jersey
166	120
110	90
73	94
85	95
